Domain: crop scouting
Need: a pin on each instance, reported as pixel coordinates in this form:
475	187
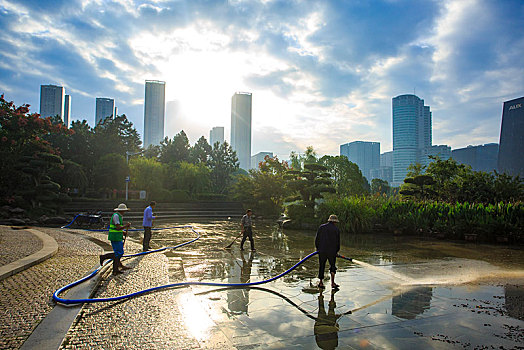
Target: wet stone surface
400	294
25	298
17	244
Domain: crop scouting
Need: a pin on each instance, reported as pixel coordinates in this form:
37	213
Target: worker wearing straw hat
116	236
327	242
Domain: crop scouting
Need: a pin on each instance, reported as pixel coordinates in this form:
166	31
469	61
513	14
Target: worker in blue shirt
148	223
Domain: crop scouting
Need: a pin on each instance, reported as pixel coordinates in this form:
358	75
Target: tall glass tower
241	127
105	107
216	135
67	111
52	101
411	134
511	144
154	112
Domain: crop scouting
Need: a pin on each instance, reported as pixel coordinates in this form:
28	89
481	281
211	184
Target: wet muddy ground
398	293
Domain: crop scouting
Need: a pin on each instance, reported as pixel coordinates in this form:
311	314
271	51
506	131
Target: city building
384	173
216	135
258	158
67	110
154	112
386	159
511	144
412	136
441	151
480	158
52	101
105	108
364	154
241	127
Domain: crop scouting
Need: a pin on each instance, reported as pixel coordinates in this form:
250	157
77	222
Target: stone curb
49	249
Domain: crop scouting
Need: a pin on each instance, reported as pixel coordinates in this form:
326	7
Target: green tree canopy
347	177
175	150
223	162
147	174
110	172
200	152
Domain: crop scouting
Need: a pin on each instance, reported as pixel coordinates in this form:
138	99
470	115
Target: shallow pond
398	293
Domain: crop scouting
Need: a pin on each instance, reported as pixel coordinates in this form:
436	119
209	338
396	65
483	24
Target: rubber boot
106	257
116	265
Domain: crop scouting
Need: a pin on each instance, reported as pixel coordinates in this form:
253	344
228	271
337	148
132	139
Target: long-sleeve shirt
327	240
246	221
148	217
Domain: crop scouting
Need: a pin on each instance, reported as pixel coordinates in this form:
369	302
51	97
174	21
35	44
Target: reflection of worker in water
326	326
238	299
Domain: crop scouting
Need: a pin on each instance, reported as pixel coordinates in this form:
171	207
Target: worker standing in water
327	242
247	229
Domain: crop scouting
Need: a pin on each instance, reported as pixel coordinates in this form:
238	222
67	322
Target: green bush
211	197
179	196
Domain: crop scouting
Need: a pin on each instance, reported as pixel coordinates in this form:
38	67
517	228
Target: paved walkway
25	298
17	244
147	322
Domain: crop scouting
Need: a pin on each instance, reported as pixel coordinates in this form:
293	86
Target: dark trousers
116	261
322	258
248	233
147	238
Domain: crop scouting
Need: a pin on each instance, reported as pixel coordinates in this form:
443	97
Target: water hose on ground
59	291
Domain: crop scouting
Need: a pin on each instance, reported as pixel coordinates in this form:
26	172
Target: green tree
193	178
28	158
115	135
72	176
379	186
309	185
263	189
175	150
418	187
223	162
347	177
110	172
147	174
200	152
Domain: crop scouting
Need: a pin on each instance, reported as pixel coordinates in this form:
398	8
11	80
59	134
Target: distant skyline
322	73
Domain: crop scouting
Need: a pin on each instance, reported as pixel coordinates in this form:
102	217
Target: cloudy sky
322	73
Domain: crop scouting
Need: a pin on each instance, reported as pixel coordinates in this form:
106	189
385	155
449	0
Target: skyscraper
411	134
364	154
52	101
241	127
216	135
105	107
511	142
67	111
154	112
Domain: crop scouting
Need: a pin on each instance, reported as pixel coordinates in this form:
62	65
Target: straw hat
333	218
121	207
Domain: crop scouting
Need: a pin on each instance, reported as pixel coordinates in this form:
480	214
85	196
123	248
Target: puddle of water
415	292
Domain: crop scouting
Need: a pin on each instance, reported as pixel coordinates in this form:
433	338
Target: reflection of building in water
326	326
412	303
238	299
514	301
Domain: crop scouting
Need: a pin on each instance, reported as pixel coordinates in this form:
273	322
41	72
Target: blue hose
179	284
